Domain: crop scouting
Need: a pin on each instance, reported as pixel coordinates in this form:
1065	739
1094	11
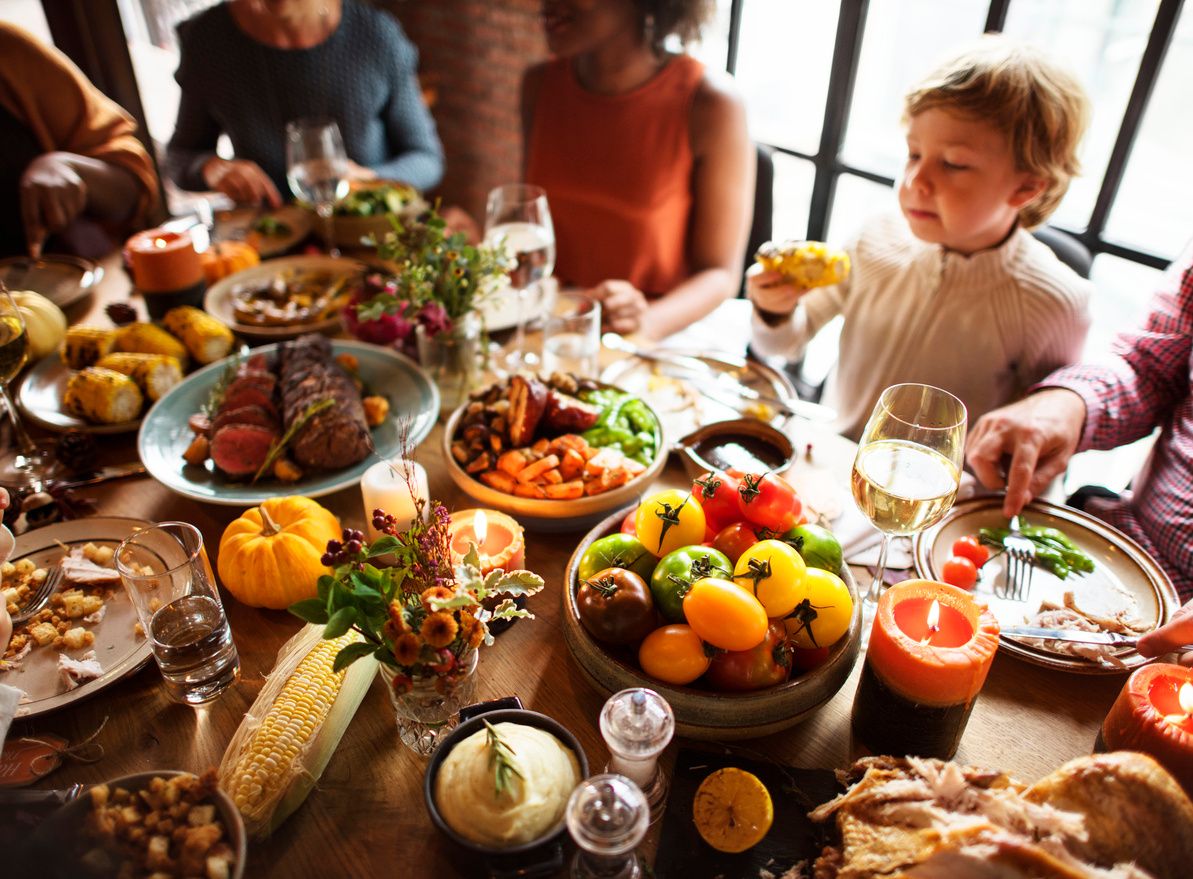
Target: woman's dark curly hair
684	18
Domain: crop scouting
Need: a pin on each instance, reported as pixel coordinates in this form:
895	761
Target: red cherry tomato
960	571
628	525
717	494
735	540
969	547
769	501
808	658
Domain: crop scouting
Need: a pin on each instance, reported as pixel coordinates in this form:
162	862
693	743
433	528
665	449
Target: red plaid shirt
1149	385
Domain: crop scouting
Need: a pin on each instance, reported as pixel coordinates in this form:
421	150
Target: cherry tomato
735	540
763	666
724	614
817	546
669	520
615	607
616	551
822	617
803	659
969	547
769	501
627	524
673	654
717	494
772	572
960	571
675	573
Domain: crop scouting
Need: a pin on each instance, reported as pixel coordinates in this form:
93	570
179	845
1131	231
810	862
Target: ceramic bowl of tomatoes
740	631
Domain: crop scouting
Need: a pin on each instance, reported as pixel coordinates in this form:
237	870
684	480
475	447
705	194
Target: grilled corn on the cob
805	263
102	396
206	338
84	346
154	373
144	338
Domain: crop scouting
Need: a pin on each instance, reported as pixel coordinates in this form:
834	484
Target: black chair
761	226
1068	249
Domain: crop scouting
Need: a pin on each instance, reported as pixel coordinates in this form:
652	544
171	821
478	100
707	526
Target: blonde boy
955	292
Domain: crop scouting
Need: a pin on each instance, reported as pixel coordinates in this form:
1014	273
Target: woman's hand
52	195
623	305
242	181
771	292
1176	633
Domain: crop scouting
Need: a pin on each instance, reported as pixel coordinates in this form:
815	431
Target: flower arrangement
440	279
420	614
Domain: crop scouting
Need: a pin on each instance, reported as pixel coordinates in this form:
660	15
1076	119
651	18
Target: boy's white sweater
984	327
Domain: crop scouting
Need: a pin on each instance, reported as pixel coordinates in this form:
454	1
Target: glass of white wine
908	468
317	169
14	353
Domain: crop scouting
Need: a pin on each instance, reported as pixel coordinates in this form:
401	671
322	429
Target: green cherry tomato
816	545
676	572
773	572
822	617
669	520
616	551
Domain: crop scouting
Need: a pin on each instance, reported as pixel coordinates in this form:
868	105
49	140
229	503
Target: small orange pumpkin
226	258
272	555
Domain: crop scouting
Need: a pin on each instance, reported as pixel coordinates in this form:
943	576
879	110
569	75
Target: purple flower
433	317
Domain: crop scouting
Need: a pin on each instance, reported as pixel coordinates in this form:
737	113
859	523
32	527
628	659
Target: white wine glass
14	354
908	468
517	218
317	169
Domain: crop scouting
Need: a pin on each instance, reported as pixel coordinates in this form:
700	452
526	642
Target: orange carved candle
163	262
498	538
1154	714
930	651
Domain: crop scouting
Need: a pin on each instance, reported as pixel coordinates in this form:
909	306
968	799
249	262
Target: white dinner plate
40	398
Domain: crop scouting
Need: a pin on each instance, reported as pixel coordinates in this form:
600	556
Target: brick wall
473	53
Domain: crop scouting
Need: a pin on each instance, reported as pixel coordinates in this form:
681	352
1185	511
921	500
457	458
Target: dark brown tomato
616	607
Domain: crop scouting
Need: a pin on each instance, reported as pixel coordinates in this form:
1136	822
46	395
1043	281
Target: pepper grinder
637	724
607	816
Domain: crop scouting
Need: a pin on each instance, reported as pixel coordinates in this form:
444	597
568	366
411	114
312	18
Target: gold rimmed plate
1124	578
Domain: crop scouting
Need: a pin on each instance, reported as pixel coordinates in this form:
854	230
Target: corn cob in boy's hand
805	263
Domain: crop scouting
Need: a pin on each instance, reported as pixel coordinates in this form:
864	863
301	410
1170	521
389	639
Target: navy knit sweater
363	76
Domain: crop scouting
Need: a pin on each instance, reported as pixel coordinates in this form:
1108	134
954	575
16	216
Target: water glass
168	578
317	169
572	339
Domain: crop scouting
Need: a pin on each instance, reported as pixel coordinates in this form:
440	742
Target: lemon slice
732	810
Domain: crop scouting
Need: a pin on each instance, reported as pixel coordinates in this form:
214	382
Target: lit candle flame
1185	697
159	242
933	621
480	527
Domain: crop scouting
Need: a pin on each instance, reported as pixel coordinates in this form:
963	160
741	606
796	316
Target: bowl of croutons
556	452
163	823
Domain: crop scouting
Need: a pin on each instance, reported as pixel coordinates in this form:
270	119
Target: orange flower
476	634
439	629
440	592
397	617
407	648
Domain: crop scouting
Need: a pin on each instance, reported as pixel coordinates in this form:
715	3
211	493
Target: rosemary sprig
501	758
215	396
275	451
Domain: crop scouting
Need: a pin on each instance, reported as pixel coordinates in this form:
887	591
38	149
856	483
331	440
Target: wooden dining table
366	817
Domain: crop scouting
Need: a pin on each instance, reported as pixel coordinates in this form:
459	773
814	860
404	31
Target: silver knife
1113	638
103	474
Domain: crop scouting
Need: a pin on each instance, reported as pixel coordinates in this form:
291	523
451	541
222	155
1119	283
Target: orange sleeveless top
617	170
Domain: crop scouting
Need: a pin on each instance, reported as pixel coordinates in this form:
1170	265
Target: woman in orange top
645	159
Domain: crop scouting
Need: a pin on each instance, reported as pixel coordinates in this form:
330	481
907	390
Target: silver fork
41	597
1021	560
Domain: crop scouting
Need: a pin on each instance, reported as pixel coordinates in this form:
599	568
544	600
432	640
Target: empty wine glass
317	169
14	353
518	219
908	468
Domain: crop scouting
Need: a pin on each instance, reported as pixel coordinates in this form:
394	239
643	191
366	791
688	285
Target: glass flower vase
430	708
453	359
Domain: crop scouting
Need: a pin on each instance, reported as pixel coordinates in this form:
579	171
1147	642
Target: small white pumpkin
45	324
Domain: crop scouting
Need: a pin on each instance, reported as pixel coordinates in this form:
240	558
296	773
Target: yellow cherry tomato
668	521
724	614
772	572
673	654
822	617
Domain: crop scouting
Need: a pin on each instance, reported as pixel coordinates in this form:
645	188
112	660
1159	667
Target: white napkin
10	697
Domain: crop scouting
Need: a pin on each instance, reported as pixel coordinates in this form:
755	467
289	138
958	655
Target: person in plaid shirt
1149	385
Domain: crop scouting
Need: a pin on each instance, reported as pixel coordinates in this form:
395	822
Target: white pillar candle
393	486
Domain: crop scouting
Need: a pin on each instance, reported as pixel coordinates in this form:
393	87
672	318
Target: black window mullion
735	10
996	16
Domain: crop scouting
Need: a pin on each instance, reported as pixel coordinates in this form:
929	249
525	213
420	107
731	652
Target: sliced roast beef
258	415
339	435
241	449
247	395
253	378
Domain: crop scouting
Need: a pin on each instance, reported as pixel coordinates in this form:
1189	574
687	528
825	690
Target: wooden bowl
544	515
700	713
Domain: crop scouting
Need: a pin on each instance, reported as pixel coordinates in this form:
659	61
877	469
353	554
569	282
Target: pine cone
76	451
122	313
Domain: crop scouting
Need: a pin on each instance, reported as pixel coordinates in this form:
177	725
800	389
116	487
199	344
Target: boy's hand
770	291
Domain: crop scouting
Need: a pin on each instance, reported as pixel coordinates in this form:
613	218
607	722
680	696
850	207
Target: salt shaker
637	724
607	816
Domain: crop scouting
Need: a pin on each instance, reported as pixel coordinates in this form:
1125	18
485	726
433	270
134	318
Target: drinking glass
14	353
518	219
572	339
317	169
167	576
908	468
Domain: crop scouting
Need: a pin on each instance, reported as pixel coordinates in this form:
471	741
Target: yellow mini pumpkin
226	258
271	556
